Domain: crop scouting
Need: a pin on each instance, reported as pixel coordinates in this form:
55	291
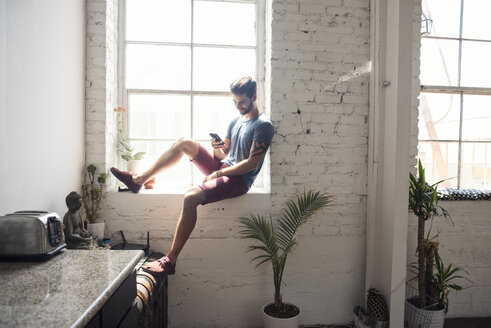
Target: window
455	110
178	58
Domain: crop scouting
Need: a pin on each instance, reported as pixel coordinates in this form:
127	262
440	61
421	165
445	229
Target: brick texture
101	82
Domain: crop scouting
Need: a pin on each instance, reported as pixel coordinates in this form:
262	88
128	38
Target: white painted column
389	139
101	83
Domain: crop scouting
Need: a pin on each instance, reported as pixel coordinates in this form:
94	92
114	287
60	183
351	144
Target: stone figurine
76	236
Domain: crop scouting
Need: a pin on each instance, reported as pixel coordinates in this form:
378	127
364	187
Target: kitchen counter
65	291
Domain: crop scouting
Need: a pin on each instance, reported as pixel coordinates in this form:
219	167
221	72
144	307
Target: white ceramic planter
272	322
97	229
133	166
417	317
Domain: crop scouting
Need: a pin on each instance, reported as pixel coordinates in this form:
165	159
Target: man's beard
248	109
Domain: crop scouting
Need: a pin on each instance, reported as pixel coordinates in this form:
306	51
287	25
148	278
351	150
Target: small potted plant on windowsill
92	194
125	149
276	242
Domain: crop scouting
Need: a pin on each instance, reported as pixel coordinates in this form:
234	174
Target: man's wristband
216	172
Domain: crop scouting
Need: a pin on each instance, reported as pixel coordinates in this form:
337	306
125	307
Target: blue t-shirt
241	135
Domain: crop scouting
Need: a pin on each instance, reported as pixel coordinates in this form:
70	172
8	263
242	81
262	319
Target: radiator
151	299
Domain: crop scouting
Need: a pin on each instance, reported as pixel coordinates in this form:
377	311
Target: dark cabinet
95	322
130	319
120	309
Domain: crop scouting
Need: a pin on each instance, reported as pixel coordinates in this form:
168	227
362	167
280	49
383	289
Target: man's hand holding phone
217	142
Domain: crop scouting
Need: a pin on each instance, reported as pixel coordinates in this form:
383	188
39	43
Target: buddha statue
76	236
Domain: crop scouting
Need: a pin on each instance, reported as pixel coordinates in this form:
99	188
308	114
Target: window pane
216	68
477	118
439	62
175	176
475	67
440	160
158	20
159	116
212	114
439	116
476	165
224	23
476	23
445	15
158	67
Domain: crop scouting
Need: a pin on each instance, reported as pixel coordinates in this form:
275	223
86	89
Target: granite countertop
65	291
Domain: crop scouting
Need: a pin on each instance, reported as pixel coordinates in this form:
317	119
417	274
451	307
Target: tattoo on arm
258	148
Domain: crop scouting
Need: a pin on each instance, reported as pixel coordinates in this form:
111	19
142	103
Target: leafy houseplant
443	280
431	304
423	202
125	149
276	241
92	192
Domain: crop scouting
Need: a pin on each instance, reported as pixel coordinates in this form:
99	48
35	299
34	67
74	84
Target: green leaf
441	280
91	169
298	214
259	229
127	146
139	156
127	157
102	178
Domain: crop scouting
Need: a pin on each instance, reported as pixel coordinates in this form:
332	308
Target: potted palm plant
276	241
428	307
92	193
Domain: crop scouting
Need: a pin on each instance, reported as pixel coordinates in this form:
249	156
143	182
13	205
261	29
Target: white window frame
456	90
123	92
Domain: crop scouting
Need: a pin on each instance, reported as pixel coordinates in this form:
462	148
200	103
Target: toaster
30	235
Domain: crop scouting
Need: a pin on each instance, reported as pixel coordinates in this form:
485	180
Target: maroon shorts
224	186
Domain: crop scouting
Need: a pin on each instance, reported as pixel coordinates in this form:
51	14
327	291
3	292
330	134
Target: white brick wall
319	105
101	82
416	86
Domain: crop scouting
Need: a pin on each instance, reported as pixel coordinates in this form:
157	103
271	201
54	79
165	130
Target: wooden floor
468	323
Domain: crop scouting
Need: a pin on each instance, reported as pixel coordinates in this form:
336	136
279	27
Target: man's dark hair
245	85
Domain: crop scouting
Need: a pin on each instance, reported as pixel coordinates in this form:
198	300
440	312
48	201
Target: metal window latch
385	84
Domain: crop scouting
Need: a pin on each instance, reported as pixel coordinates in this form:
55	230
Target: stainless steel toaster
36	235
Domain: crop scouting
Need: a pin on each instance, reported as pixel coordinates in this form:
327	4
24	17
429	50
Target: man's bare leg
187	221
185	225
169	158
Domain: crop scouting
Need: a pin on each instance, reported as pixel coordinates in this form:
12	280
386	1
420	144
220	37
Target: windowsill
183	190
172	200
450	194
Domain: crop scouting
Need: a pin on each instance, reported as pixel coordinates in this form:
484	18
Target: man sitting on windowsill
248	138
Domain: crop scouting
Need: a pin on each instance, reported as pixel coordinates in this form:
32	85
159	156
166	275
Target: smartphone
216	137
